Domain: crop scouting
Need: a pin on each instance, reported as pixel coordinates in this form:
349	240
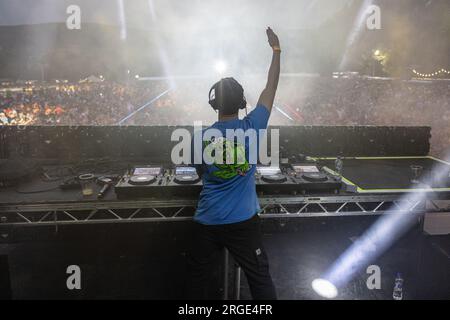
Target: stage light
220	67
425	75
137	76
380	236
324	288
377	52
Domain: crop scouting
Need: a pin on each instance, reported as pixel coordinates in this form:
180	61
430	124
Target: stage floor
392	174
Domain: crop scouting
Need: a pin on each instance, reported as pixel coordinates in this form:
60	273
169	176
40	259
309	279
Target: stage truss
107	212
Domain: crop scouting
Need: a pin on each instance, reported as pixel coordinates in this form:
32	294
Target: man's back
229	193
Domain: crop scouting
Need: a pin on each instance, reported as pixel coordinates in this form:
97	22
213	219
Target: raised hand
272	38
268	94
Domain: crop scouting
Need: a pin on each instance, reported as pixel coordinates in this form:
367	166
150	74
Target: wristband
276	48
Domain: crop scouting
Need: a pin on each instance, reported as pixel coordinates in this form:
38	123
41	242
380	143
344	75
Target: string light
429	75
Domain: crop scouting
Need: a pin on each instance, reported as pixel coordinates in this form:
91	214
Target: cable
57	174
36	191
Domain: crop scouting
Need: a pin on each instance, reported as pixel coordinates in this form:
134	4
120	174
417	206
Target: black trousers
243	241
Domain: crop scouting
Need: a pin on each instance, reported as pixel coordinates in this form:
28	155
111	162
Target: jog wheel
186	179
142	180
315	177
275	178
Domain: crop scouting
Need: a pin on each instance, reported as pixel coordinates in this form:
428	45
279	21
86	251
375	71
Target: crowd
300	101
104	103
371	102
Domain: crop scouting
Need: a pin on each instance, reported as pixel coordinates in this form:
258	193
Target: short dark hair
228	96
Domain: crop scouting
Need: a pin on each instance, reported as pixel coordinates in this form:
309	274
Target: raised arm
268	94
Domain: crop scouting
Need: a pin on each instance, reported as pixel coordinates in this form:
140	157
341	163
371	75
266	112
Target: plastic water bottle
339	165
398	287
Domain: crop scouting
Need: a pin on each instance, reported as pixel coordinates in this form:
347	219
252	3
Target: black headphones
214	104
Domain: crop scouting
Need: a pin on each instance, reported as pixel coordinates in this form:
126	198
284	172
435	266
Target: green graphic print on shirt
234	161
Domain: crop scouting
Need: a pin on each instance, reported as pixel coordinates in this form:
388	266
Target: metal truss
183	210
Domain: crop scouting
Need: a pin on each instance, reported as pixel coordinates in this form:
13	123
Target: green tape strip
379	158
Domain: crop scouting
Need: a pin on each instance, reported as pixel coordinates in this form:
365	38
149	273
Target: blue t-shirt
229	192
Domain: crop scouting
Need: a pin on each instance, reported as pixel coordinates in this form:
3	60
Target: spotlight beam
162	52
284	113
122	20
381	235
355	32
147	104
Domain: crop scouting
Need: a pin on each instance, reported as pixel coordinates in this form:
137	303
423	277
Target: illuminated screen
152	171
303	169
185	171
268	171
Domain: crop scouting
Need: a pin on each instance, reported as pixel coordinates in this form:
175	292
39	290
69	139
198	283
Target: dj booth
134	181
376	174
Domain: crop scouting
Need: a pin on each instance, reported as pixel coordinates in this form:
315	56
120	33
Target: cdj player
155	182
271	180
311	179
299	178
184	182
141	182
186	176
143	176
